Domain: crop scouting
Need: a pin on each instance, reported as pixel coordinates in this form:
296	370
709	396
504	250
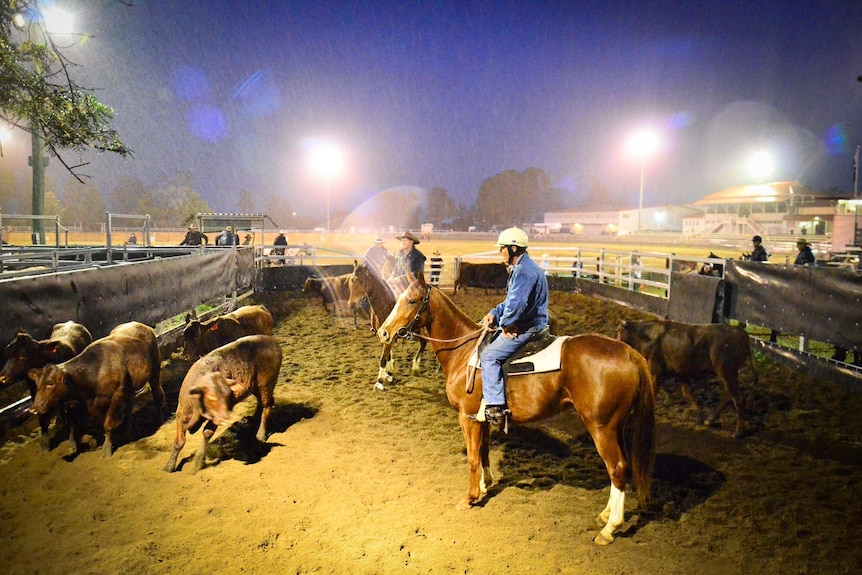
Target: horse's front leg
418	357
384	371
474	437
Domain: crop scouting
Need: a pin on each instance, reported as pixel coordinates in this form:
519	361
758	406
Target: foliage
82	203
441	206
171	204
512	198
38	92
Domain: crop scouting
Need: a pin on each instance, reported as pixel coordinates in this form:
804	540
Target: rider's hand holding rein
489	321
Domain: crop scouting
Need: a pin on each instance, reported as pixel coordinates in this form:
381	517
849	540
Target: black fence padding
820	303
103	297
651	304
292	278
695	298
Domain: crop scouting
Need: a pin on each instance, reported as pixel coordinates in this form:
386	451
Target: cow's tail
640	431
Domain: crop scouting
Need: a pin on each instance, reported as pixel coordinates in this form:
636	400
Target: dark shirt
805	256
376	257
758	254
279	240
226	238
194	238
411	262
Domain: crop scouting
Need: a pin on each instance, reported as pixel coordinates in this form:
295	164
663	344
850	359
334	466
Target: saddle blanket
547	359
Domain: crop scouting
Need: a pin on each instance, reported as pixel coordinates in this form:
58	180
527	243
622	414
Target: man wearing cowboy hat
805	255
409	260
194	237
227	237
376	255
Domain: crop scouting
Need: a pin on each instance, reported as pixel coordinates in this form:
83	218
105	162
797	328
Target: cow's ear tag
214	327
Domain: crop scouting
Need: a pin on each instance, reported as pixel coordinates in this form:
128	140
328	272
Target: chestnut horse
604	380
365	285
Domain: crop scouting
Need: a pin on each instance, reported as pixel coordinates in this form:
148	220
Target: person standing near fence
280	240
436	267
194	237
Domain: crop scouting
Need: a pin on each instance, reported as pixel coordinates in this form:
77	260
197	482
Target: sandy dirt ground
353	480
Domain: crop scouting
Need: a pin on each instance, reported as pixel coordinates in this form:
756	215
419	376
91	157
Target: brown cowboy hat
801	242
408	236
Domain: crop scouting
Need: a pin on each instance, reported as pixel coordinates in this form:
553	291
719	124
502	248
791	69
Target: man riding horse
518	318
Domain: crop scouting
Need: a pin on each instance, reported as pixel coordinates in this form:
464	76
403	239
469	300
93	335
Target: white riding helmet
513	237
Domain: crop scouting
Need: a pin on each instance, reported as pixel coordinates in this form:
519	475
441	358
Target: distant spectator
758	254
133	240
194	237
249	237
227	237
805	255
436	267
545	265
280	240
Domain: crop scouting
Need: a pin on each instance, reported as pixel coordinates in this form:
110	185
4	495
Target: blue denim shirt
526	303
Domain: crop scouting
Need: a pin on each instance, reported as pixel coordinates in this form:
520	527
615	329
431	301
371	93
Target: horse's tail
640	431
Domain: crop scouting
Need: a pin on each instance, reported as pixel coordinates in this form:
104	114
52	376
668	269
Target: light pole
642	144
58	21
327	160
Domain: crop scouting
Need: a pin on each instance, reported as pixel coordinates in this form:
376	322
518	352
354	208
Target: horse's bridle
408	331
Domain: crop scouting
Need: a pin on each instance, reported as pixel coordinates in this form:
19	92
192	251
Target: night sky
425	94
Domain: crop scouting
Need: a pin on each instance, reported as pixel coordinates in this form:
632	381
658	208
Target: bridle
409	331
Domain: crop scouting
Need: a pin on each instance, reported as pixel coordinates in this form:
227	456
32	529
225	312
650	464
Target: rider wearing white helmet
518	318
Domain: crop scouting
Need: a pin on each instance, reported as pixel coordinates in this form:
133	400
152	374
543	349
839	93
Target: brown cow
684	350
221	379
201	337
102	381
331	289
487	276
24	353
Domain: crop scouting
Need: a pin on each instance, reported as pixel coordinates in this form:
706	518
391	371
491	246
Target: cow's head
213	395
191	337
52	385
16	355
627	332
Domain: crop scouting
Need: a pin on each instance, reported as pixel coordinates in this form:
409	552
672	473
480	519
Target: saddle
541	353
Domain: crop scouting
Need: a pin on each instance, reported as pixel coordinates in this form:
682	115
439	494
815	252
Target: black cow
487	276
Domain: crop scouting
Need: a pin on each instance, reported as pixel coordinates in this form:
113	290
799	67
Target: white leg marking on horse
617	504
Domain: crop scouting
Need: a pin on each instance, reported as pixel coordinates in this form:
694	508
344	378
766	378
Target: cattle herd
90	385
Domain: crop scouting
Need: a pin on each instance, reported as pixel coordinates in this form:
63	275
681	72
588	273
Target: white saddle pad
546	360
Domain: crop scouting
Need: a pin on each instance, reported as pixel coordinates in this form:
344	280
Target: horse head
410	313
358	284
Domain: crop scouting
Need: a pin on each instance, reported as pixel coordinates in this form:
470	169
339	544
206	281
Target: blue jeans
492	359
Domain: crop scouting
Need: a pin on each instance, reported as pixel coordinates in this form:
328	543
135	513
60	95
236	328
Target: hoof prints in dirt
238	442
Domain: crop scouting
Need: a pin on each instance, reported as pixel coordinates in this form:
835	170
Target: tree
38	93
441	206
175	202
245	202
83	204
512	198
125	197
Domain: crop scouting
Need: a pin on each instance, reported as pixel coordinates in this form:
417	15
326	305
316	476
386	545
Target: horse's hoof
464	504
600	539
379	386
